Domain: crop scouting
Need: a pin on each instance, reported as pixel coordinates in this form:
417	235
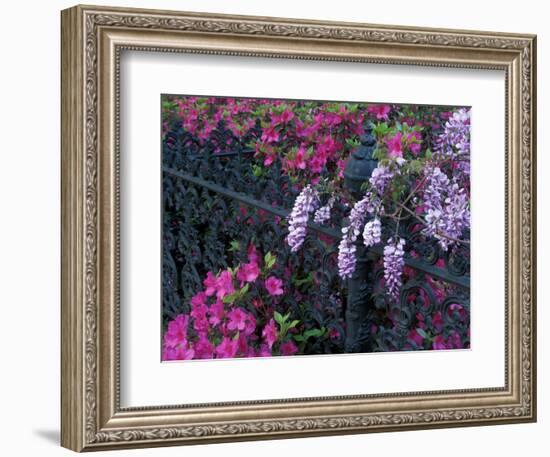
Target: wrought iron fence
213	201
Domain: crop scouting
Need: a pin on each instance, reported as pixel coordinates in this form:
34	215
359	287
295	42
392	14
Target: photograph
306	227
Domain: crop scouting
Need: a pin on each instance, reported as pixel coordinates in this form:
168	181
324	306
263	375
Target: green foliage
284	324
311	333
381	129
269	261
234	246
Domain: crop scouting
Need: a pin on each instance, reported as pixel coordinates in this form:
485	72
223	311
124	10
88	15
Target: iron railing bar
233	153
227	192
462	281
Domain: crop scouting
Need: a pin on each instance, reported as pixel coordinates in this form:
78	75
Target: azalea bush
255	283
239	314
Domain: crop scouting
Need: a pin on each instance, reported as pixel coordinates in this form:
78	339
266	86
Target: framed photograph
275	228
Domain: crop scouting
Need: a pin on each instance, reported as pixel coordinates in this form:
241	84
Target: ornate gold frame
92	40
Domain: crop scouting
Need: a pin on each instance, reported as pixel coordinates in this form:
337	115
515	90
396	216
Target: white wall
29	241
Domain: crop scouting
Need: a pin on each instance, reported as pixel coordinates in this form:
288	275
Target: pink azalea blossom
237	319
180	352
177	330
270	333
242	345
288	348
248	272
300	159
274	286
216	313
264	351
329	146
204	349
380	111
317	162
284	118
332	119
199	310
269	159
224	284
394	145
201	324
210	283
250	326
303	130
414	141
253	255
198	300
227	348
269	135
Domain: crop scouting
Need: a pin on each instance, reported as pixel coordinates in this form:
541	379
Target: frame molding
92	40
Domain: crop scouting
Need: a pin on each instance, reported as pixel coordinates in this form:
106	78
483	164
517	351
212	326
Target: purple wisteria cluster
454	142
347	248
393	265
372	234
447	212
322	215
305	203
380	178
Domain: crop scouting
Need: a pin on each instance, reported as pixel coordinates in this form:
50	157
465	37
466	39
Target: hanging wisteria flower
393	265
454	142
380	178
305	204
346	248
447	212
322	215
372	234
346	255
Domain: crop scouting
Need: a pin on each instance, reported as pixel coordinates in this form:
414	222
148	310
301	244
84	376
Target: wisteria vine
430	186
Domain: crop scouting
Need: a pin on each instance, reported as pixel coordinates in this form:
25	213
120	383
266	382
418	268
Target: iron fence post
358	170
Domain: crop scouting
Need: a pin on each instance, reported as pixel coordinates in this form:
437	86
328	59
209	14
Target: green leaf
257	171
381	129
278	318
244	290
353	142
294	323
269	260
234	246
230	298
317	332
307	280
